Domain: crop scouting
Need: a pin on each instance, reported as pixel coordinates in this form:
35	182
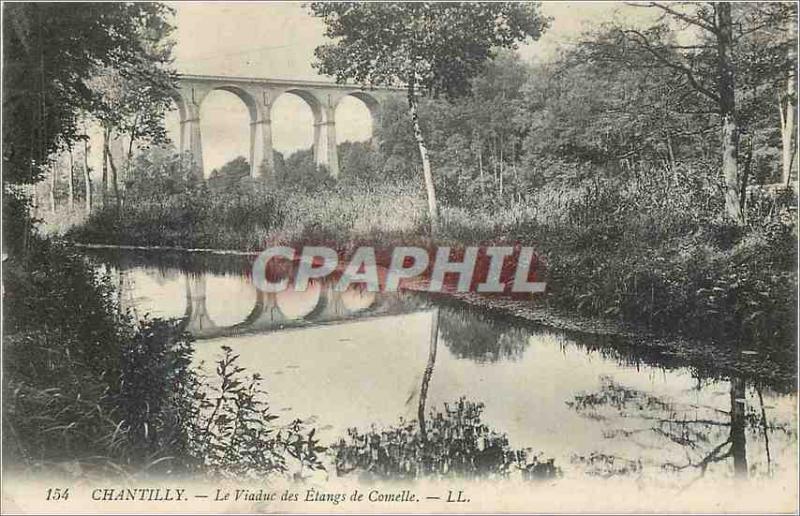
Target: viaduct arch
258	95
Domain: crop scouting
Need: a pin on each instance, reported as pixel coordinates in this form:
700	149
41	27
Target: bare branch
688	47
698	22
641	39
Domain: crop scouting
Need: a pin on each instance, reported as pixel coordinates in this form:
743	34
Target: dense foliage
429	48
87	387
457	445
52	52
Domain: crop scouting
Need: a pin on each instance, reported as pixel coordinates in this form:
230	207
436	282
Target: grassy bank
253	214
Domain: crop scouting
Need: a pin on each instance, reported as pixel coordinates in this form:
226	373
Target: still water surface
357	359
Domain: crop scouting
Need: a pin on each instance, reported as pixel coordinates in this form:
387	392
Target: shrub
85	387
232	431
458	445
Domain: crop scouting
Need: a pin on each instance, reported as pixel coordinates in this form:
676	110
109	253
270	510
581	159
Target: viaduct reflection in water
320	303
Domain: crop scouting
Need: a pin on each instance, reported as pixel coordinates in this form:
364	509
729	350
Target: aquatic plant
456	444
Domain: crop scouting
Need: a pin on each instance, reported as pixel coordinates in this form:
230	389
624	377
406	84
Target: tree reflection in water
457	444
704	435
426	375
469	334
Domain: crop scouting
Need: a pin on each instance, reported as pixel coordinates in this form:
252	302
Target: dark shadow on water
166	261
487	335
475	336
440	444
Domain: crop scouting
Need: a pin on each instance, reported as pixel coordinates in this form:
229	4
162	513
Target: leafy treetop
437	47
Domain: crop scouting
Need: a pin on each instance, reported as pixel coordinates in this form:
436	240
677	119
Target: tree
230	173
430	48
87	172
238	167
51	51
87	177
360	162
710	64
159	172
766	65
605	103
474	140
495	103
726	98
397	141
134	95
725	60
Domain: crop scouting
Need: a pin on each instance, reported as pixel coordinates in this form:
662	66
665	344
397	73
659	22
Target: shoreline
669	350
708	358
231	252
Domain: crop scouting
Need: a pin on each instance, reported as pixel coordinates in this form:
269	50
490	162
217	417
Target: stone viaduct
258	95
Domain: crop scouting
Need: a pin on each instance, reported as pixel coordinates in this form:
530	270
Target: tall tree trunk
71	181
738	437
502	168
53	174
788	140
129	157
426	377
746	169
727	104
87	178
104	180
494	163
114	177
670	152
433	210
480	164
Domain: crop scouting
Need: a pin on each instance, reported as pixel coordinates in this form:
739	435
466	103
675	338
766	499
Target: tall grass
253	214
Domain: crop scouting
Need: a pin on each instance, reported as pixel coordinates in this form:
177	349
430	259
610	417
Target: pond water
359	359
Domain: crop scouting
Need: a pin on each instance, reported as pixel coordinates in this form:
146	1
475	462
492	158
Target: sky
277	40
